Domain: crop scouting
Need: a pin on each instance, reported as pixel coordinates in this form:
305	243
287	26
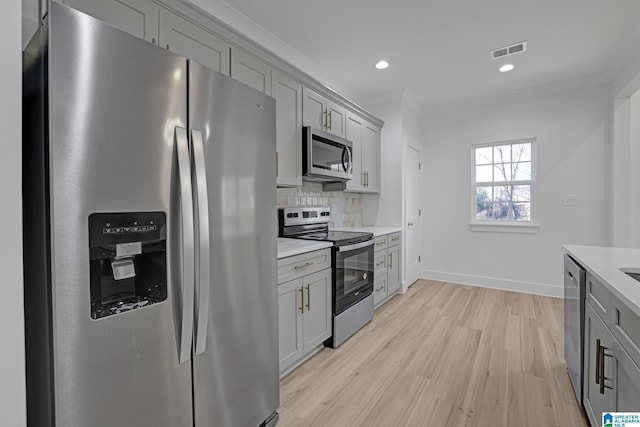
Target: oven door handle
355	246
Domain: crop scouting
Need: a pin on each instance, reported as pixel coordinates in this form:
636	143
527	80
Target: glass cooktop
340	238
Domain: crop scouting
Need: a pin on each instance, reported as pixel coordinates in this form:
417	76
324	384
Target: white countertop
377	231
605	262
291	247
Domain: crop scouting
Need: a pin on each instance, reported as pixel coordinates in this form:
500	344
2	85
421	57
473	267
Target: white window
502	183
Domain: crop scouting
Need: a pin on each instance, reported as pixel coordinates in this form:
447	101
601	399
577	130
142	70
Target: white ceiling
439	49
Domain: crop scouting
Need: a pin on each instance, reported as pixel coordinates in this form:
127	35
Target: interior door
236	378
413	180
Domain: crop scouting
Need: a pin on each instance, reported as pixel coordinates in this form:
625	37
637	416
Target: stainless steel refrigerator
149	235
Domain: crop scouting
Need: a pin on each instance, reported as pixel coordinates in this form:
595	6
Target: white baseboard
493	283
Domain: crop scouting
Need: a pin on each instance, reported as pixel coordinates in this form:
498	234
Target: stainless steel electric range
352	266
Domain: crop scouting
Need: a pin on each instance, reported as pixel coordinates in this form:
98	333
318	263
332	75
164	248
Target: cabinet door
354	134
595	402
194	42
317	308
371	157
313	109
627	383
290	330
250	71
393	272
379	288
136	17
336	119
288	95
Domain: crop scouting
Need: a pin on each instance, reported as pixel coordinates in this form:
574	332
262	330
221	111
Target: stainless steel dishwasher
574	296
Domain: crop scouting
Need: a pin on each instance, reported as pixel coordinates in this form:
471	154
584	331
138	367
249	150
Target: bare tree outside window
503	181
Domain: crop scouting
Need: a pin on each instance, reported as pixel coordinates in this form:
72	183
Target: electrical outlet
569	200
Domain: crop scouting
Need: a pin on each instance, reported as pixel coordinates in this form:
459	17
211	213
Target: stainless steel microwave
325	157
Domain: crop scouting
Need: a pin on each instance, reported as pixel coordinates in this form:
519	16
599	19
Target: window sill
504	227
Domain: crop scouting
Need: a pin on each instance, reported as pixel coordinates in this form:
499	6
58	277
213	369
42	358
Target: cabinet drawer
380	263
296	266
379	289
599	297
380	243
394	239
625	325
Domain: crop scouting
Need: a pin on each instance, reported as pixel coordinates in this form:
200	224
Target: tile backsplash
346	208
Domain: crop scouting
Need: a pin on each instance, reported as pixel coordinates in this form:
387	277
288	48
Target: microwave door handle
350	161
347	166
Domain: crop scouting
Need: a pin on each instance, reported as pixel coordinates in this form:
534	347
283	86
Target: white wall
12	383
571	128
402	122
625	153
384	209
634	171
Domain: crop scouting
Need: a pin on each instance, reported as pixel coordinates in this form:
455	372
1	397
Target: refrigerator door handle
202	276
188	247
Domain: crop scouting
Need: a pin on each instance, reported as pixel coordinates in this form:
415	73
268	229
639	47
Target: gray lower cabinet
394	264
304	309
611	377
387	267
596	333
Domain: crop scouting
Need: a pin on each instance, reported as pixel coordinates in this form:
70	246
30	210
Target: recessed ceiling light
507	67
382	65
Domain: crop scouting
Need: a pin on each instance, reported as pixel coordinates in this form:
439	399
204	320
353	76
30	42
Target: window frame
496	225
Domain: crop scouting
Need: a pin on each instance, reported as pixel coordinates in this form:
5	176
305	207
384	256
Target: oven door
353	274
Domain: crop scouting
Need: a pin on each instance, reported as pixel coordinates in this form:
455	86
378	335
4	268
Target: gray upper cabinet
251	71
136	17
371	157
354	127
366	154
336	117
194	42
321	113
288	95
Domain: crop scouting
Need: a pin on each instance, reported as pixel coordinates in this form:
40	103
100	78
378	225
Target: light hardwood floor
441	355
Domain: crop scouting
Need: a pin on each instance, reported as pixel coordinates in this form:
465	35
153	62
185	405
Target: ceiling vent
509	50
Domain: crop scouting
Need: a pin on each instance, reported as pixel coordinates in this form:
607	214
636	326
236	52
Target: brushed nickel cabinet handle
380	263
168	48
410	224
301	266
302	299
330	120
391	260
308	297
597	360
277	165
601	369
326	120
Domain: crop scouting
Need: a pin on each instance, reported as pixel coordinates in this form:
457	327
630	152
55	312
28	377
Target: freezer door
236	376
115	102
